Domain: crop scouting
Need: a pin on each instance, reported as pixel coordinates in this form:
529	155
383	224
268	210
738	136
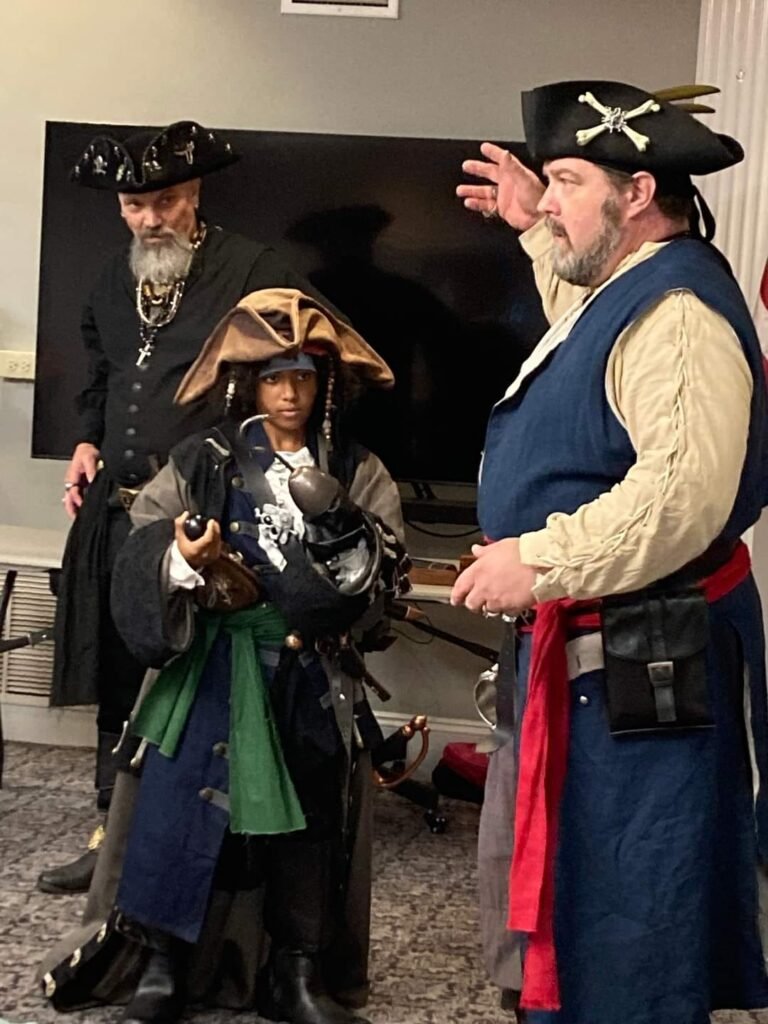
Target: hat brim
149	161
279	321
559	122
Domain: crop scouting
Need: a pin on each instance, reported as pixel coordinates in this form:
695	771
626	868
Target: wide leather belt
127	495
584	654
699	568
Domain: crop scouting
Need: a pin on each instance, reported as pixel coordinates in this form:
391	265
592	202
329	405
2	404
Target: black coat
128	411
130	415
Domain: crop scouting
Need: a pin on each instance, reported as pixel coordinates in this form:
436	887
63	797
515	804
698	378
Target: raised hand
513	192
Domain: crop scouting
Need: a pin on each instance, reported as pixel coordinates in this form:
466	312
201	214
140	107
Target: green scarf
262	799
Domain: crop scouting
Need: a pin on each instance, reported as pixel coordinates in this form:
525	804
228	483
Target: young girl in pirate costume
249	818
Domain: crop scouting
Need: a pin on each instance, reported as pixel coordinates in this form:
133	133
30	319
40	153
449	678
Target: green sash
262	799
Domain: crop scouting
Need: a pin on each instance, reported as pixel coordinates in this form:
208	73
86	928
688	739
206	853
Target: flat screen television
446	297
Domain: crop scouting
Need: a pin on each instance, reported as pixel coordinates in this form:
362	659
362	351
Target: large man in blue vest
620	470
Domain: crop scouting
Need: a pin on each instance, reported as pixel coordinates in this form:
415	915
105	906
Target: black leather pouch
655	661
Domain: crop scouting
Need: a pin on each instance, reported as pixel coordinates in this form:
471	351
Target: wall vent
26	673
348	8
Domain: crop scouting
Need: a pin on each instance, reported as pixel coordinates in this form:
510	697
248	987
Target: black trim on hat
152	160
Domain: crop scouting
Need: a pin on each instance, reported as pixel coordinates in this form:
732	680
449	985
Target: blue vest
556	444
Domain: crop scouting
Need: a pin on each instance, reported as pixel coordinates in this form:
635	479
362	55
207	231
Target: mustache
169	235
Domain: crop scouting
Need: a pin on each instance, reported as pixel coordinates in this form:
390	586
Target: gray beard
161	263
586	268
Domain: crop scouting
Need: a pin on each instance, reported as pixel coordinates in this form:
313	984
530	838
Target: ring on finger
494	210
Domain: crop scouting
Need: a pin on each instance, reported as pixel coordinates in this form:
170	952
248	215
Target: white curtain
733	54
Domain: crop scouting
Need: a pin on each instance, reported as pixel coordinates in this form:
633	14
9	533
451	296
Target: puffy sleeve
374	490
155	621
679	382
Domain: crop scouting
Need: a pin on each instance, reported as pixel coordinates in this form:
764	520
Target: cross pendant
144	353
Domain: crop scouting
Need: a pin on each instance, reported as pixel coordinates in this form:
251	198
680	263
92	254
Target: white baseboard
441	731
76	727
37	723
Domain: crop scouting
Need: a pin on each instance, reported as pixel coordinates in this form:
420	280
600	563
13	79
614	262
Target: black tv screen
446	297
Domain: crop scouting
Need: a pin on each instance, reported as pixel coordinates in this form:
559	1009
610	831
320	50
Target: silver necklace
156	308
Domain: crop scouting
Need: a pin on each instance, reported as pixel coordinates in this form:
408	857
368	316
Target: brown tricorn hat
279	321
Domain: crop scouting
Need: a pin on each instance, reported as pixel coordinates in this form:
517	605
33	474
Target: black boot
76	876
510	1001
106	767
292	990
159	995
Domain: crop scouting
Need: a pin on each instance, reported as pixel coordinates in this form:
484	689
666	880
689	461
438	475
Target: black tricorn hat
621	126
151	160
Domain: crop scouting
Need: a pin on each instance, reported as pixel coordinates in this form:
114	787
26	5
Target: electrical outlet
17	365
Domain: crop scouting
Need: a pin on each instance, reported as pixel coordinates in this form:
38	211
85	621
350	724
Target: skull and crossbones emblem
615	120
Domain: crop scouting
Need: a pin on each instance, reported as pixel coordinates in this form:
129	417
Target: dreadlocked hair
235	391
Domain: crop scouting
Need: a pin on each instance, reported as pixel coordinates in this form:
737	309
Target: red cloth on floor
464	759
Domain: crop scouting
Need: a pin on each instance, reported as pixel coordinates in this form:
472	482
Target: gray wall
445	68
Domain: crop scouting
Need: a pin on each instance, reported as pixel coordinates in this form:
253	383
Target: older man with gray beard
143	325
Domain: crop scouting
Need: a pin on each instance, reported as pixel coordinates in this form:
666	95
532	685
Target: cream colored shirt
678	380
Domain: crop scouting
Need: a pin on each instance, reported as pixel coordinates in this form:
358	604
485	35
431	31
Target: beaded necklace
157	305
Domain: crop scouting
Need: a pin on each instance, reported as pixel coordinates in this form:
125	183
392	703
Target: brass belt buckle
127	496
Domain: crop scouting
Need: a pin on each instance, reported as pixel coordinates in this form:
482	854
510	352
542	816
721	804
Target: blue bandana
277	364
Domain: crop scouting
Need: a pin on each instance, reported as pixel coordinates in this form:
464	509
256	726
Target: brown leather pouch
229	584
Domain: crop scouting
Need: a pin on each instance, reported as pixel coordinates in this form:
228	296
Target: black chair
5	600
12	643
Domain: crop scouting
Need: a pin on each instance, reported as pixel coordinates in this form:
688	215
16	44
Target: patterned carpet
426	966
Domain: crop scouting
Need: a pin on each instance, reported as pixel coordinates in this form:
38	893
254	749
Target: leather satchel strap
254	477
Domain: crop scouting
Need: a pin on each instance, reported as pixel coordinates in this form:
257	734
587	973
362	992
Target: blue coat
182	809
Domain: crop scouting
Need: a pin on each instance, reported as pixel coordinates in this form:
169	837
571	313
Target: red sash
543	760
